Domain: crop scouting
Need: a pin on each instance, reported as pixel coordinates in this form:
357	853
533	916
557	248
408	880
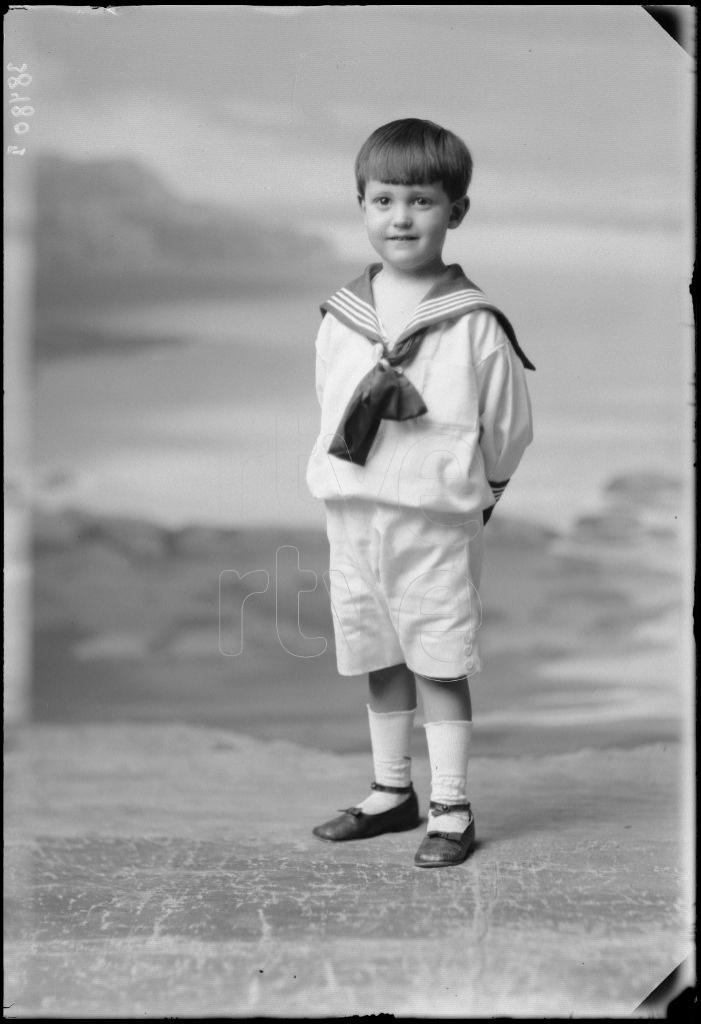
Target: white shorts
403	585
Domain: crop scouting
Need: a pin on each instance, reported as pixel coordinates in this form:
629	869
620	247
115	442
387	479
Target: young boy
425	416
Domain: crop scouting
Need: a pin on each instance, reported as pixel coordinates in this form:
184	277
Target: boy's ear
361	201
458	211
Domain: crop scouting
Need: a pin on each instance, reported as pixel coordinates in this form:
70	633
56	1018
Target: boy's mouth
402	238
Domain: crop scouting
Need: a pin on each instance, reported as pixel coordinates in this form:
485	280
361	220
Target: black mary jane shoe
353	823
443	849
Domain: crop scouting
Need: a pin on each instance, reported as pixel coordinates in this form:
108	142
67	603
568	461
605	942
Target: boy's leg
445	699
392	689
393	807
448	724
391	719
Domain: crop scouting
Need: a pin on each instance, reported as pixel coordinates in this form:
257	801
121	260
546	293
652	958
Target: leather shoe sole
444	849
354	824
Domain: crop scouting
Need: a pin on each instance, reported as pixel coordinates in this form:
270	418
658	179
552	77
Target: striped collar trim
451	296
354	305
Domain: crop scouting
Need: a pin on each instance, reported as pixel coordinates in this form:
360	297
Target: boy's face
407	224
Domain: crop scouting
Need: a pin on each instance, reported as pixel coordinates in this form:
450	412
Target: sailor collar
451	296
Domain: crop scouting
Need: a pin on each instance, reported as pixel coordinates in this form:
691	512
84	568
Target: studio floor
170	870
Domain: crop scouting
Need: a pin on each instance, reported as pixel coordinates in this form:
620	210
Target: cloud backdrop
580	122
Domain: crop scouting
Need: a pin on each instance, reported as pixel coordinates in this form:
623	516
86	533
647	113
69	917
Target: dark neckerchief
384	392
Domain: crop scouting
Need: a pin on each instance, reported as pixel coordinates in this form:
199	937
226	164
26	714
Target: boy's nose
402	215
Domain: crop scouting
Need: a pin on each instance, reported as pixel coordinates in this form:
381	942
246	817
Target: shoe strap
356	811
439	808
391	789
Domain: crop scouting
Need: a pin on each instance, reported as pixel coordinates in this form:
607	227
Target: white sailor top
459	454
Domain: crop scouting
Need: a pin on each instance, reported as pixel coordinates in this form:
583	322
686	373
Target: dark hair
413	152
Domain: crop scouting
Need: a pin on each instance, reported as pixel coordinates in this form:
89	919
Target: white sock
390	737
448	754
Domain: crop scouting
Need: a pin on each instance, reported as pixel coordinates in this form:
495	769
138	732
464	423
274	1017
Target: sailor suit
417	442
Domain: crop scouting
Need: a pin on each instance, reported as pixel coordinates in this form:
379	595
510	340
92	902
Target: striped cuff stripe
498	488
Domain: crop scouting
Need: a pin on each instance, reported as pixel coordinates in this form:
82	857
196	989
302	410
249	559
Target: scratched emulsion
95	888
133	890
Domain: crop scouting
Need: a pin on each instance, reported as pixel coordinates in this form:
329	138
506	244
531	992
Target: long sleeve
321	364
506	424
320	377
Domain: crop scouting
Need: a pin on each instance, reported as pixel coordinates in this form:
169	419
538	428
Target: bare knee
392	688
383	676
445	698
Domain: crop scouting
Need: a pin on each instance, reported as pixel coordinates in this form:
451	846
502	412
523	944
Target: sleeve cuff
498	488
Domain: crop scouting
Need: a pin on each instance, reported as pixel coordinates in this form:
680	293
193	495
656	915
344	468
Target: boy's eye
422	201
382	200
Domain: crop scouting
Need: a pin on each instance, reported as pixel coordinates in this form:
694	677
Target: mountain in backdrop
111	230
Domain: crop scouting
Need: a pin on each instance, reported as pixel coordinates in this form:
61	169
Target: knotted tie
383	393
